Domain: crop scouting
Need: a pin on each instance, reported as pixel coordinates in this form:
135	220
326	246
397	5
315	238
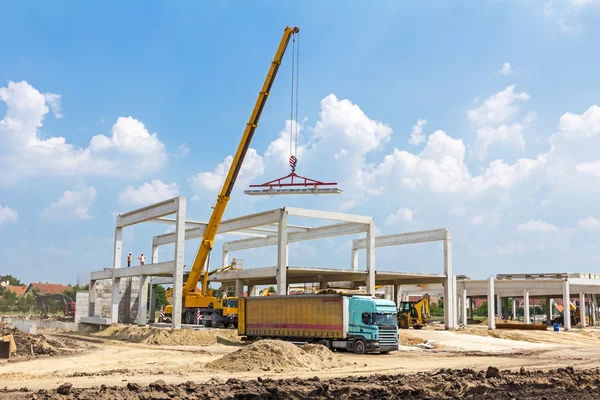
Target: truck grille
388	338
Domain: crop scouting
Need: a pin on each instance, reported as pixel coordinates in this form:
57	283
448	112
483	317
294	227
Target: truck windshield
381	319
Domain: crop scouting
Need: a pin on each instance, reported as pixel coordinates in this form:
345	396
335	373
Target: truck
360	324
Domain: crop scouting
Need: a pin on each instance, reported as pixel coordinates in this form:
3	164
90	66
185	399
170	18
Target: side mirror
366	318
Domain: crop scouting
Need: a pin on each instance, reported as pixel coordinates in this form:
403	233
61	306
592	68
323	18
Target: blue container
555	327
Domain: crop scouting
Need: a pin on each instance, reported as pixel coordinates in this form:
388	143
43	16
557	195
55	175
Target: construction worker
142	259
129	259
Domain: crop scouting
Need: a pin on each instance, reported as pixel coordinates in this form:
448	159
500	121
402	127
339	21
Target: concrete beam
227	226
347	228
163	268
328	215
405	238
148	213
99	275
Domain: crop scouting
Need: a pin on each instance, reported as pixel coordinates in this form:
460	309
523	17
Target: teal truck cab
372	326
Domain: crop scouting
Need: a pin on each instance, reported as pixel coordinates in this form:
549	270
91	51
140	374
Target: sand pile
170	337
37	345
278	356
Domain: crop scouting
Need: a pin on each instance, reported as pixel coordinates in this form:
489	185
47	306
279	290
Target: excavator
575	316
414	313
44	309
217	310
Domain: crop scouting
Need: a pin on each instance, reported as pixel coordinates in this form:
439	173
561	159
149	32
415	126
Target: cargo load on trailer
359	324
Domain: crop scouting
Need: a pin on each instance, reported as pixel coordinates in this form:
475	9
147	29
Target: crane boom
215	219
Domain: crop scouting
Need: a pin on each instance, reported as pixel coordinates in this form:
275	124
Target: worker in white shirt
142	259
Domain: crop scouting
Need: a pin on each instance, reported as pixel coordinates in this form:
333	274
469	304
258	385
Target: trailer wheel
360	347
325	342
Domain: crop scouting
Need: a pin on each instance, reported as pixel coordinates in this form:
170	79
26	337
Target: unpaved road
114	363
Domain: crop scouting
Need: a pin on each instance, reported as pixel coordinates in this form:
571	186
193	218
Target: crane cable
294	106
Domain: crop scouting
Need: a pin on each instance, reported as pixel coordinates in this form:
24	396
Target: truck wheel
188	318
325	342
207	323
360	347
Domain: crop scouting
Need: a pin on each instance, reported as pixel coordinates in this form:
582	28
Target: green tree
71	291
436	310
272	289
161	297
482	310
12	281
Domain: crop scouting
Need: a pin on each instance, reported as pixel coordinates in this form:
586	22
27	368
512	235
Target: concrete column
114	308
471	307
593	311
282	254
251	290
490	300
239	288
142	301
449	288
514	309
398	293
505	306
152	300
225	259
499	305
154	254
582	309
566	305
370	280
178	273
464	306
526	306
548	310
118	248
404	296
354	259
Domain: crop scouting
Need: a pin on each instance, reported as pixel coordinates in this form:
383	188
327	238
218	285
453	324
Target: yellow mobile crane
215	311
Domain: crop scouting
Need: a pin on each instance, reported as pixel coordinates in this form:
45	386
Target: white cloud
498	107
579	126
512	247
493	218
150	192
458	211
8	215
279	149
53	101
183	150
25	152
506	69
340	154
504	134
417	136
537	226
589	168
402	215
588	224
252	167
73	204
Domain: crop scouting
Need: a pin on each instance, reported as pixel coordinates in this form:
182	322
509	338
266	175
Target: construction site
281	331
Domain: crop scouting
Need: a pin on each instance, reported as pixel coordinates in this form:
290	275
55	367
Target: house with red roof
47	288
18	290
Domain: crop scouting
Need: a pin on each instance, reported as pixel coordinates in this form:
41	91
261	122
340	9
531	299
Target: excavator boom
215	219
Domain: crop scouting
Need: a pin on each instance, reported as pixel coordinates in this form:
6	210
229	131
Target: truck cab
373	324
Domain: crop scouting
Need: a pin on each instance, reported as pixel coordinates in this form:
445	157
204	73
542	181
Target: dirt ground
129	357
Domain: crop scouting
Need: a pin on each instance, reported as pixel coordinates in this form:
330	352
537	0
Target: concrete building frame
443	234
498	292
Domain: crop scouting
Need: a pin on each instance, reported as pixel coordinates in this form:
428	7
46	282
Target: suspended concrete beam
346	228
148	213
230	225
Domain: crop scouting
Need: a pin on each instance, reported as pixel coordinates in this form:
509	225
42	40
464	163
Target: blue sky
150	98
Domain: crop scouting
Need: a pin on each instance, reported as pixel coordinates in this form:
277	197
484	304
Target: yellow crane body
203	300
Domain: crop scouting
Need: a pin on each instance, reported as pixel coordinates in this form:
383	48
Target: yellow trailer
356	323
